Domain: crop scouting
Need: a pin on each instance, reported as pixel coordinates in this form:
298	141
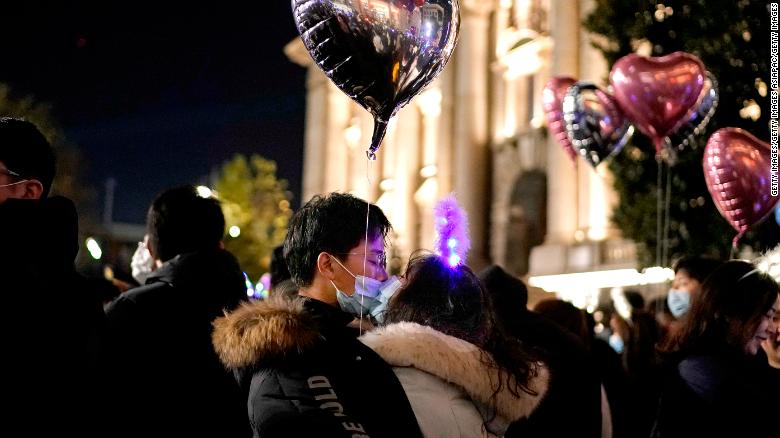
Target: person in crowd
54	318
299	359
709	388
575	387
689	275
638	336
771	345
608	363
461	373
162	376
281	280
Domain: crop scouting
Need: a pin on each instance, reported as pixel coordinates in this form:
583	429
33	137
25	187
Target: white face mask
679	302
142	264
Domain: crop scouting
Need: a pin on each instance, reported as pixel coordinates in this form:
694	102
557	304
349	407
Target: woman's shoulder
456	362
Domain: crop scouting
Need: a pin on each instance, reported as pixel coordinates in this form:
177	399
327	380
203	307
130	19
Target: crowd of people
341	348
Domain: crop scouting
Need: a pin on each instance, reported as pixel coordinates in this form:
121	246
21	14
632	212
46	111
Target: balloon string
667	221
658	212
365	253
734	244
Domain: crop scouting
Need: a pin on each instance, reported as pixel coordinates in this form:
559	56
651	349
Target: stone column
470	130
561	177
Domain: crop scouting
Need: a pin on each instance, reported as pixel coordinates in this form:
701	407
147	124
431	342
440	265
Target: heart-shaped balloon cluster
737	169
594	123
381	53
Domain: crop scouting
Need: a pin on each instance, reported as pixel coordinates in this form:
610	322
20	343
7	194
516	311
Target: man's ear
33	189
325	265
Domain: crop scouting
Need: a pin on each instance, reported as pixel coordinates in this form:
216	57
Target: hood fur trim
454	360
263	331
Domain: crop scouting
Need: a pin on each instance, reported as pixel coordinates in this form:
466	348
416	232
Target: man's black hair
24	150
335	224
180	221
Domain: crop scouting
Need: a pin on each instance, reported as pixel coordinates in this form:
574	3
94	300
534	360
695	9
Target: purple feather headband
452	236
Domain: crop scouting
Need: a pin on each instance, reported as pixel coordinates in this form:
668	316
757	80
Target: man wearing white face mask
305	372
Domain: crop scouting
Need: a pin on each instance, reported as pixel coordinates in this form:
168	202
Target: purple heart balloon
381	53
594	122
738	173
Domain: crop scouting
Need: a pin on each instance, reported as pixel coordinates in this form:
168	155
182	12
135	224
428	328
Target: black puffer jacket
51	321
162	376
307	375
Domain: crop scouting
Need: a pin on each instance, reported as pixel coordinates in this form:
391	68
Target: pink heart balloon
737	169
552	105
658	93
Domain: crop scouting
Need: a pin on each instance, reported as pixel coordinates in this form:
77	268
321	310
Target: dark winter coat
163	377
308	376
716	394
52	321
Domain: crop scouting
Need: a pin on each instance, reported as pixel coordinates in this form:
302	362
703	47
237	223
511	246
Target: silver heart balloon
595	124
381	53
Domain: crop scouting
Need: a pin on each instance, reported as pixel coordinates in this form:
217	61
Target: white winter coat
448	385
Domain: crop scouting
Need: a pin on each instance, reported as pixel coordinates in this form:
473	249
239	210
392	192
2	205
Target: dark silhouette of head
180	221
334	224
278	268
26	154
696	267
566	315
508	293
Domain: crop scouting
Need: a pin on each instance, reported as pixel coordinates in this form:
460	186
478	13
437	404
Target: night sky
156	96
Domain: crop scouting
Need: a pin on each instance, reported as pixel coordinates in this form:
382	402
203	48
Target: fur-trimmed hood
263	332
456	361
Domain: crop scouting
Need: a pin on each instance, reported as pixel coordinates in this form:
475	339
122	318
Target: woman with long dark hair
461	374
711	388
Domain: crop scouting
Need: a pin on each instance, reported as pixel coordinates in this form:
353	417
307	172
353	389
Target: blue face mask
679	302
361	303
371	296
616	342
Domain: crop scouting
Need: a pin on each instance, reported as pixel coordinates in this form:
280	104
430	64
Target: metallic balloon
381	53
738	175
697	118
657	94
552	105
594	122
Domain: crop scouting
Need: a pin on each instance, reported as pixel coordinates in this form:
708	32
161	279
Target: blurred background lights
234	231
204	192
94	248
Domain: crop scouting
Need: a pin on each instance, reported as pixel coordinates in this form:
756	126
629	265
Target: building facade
478	131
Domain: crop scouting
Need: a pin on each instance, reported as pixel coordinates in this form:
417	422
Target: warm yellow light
234	231
601	279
